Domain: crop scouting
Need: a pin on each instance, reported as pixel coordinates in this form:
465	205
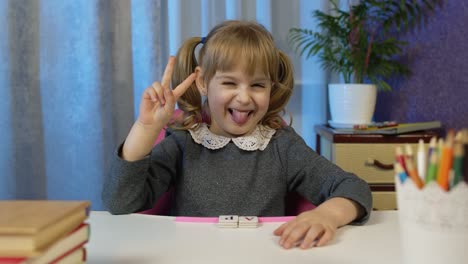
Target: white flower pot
352	103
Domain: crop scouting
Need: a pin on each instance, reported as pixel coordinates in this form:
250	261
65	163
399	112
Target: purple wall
438	86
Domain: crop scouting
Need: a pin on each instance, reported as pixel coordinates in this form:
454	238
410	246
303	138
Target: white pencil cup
433	223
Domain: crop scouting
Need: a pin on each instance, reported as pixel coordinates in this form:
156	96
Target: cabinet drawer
353	158
384	201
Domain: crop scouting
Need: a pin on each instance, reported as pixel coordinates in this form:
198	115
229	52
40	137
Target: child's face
237	101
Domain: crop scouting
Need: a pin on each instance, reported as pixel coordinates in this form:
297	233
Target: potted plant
361	45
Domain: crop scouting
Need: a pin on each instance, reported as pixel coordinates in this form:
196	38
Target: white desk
138	238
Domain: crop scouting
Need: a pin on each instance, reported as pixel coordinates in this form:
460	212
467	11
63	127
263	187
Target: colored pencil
432	147
399	157
445	164
465	157
421	160
465	163
413	173
458	153
400	172
432	167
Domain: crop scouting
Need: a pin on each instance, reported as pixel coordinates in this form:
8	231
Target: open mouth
240	117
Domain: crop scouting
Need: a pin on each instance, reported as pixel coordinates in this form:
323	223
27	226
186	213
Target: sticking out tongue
240	117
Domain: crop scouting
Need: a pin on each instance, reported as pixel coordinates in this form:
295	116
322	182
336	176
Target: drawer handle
378	164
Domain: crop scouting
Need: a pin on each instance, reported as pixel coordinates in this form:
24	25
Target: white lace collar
258	139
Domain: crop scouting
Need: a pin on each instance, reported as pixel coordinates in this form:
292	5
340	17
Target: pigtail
280	93
190	102
285	74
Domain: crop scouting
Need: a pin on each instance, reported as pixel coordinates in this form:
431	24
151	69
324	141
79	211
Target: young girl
231	153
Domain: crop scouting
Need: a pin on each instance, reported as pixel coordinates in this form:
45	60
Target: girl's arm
132	185
135	186
342	210
342	197
140	140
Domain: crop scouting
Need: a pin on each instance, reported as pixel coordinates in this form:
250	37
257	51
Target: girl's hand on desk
313	228
158	101
318	226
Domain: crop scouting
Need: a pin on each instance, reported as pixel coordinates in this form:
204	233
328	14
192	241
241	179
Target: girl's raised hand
158	101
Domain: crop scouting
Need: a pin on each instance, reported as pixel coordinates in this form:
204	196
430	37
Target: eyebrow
227	76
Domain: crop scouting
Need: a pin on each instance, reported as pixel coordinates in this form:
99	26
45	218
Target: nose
243	95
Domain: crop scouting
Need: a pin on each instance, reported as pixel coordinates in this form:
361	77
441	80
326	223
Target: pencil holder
433	223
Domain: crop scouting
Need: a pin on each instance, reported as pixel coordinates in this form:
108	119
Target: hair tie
203	40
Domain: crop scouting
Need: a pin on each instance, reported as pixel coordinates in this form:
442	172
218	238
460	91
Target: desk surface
138	238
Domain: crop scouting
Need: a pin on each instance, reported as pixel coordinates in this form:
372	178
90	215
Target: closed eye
261	85
228	83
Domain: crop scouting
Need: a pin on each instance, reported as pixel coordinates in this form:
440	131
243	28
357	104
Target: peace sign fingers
183	86
158	101
166	79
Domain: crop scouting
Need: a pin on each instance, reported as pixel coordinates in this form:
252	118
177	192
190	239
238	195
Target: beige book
28	227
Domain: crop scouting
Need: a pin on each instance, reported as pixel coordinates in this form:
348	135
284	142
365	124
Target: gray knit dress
229	180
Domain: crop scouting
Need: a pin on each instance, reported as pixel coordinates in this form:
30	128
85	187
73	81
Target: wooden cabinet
370	157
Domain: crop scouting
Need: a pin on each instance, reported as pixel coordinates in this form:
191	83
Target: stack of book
43	231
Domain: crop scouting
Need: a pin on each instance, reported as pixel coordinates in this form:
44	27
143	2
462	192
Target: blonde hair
221	50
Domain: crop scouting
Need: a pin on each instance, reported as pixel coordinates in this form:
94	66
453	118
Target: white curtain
72	72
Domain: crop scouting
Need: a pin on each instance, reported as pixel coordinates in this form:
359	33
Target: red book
64	250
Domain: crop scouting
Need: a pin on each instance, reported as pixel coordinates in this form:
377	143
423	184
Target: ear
199	81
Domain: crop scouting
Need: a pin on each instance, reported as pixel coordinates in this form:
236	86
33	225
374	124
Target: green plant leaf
361	44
